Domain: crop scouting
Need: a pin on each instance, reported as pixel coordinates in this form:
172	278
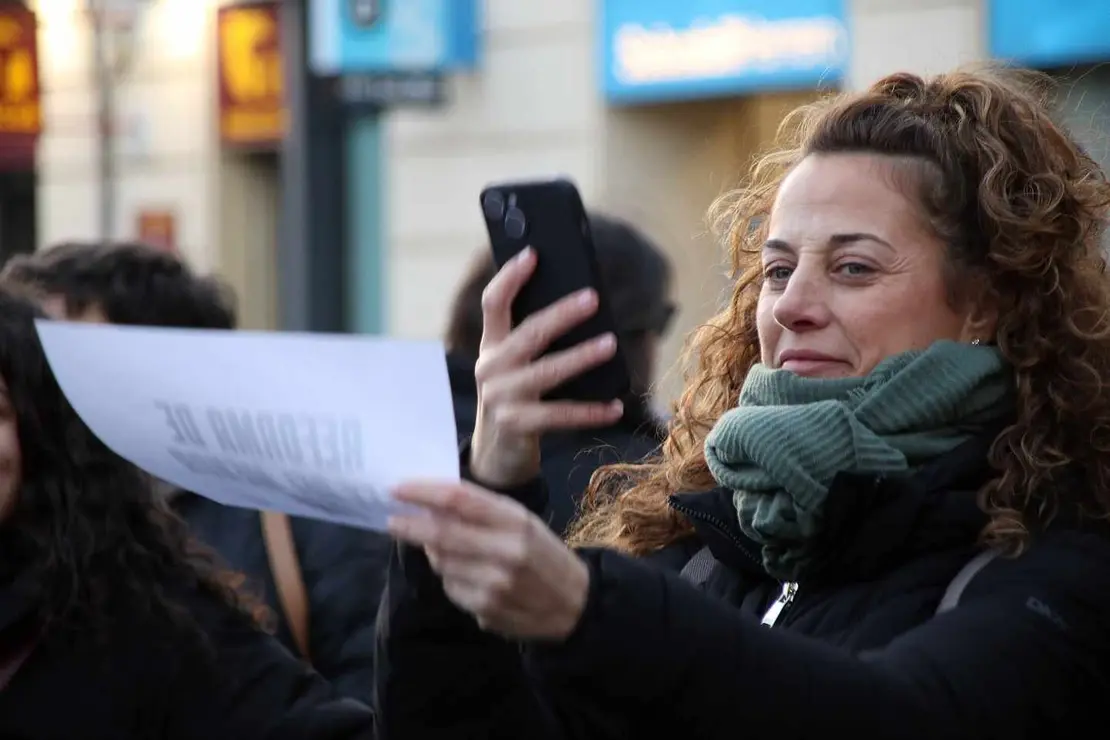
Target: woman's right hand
512	378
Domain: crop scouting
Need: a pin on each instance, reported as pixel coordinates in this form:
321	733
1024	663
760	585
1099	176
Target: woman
917	339
112	625
637	281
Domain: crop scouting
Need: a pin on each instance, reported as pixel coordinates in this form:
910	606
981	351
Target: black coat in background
343	570
146	678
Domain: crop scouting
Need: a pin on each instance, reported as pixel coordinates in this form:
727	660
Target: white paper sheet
321	426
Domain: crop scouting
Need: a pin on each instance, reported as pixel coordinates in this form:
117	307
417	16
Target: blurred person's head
122	283
635	275
917	210
82	535
127	284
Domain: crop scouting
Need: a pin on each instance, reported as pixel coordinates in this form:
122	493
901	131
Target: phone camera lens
515	223
493	205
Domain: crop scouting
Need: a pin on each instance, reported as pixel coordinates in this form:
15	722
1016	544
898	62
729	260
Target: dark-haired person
113	623
126	283
636	277
322	581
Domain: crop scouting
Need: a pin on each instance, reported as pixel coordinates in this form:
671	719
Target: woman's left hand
497	560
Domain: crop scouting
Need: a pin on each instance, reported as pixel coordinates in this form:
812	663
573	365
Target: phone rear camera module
515	223
493	205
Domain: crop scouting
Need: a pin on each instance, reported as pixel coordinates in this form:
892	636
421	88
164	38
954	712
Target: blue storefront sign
1049	33
385	36
657	50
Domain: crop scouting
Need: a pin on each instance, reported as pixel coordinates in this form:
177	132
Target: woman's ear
981	317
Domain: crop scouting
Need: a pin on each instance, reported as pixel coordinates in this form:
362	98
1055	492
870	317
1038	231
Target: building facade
183	179
165	136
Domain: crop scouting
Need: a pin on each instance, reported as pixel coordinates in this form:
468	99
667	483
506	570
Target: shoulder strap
956	588
277	532
698	568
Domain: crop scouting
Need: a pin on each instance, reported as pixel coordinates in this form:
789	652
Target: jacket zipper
718	524
781	604
789	590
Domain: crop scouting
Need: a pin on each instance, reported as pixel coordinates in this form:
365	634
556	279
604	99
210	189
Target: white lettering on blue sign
727	46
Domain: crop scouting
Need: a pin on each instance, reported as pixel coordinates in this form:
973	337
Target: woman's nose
803	303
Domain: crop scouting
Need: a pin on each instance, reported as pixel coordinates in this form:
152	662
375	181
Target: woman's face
54	306
852	272
11	458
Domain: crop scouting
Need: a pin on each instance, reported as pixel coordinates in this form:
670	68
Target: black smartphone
549	217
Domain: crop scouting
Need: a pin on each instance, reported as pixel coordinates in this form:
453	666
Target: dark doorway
18	223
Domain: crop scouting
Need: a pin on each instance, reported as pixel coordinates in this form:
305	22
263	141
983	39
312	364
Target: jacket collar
874	521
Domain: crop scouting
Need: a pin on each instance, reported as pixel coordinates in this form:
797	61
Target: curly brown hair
1022	210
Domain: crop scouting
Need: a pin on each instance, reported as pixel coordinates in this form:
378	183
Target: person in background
883	509
321	580
636	277
114	623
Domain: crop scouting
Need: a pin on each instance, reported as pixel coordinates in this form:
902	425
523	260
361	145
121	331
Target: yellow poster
20	106
252	102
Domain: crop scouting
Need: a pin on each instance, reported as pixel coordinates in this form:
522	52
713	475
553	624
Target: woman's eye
855	269
778	272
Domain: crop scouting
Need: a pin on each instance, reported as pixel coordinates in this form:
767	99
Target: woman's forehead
843	193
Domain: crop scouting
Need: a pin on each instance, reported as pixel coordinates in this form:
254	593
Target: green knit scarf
790	435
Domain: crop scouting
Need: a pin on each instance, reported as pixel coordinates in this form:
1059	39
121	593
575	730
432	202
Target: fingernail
607	341
524	254
618	405
586	297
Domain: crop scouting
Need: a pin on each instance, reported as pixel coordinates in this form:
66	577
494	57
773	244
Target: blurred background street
325	157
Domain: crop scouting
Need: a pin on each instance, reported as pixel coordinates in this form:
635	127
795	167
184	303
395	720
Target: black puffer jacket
343	570
859	652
